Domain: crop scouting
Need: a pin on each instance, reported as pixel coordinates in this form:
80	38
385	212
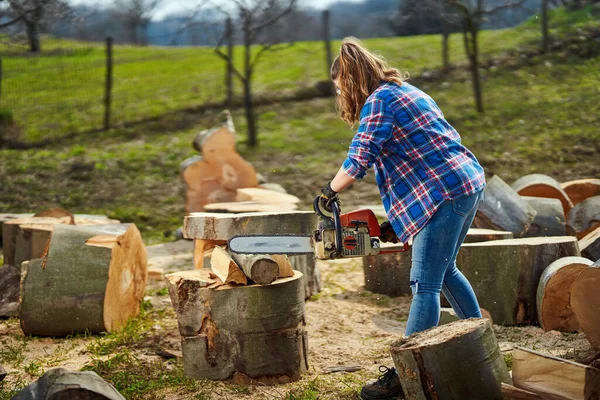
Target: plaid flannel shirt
417	156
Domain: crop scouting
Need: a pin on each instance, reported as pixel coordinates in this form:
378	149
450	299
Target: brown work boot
387	387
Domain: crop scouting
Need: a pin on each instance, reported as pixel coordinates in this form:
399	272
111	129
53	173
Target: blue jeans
434	269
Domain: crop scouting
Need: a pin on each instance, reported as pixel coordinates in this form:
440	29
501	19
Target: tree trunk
549	219
229	72
247	83
428	369
545	38
540	185
91	280
554	294
585	301
445	48
581	189
33	36
477	90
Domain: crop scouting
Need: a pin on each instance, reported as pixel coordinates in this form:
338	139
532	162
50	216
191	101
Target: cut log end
585	302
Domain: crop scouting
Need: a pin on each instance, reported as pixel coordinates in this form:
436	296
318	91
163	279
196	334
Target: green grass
61	91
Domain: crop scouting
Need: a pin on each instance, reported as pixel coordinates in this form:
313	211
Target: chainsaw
353	234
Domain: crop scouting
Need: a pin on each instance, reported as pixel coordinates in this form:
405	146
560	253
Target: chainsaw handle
335	209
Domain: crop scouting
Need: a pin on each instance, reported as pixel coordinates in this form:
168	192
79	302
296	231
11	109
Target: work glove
387	233
328	197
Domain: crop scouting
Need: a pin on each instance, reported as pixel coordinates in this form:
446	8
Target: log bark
203	250
255	330
584	217
505	273
549	219
261	268
554	294
540	185
9	291
581	189
427	362
214	226
225	268
92	279
554	378
62	384
590	245
249	206
585	301
503	209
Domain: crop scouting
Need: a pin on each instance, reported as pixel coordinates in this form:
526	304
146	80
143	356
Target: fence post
108	86
327	40
0	79
544	26
229	77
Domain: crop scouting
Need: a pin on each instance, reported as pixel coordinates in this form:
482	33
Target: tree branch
233	68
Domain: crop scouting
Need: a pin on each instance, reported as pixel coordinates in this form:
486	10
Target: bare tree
34	15
260	26
136	14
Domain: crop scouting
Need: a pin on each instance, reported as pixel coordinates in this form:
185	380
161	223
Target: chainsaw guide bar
264	244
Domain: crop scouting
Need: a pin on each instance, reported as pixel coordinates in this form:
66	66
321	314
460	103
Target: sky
172	6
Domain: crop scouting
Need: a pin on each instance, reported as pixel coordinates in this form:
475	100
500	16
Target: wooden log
503	209
590	245
581	189
505	273
261	268
540	185
427	362
554	294
311	275
265	196
62	384
92	279
249	206
512	392
584	217
225	268
553	377
585	301
214	226
476	235
9	291
549	219
255	330
203	251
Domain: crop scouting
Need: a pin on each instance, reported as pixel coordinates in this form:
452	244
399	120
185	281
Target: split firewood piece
476	235
203	250
581	189
215	226
265	196
92	279
249	206
554	294
203	184
540	185
60	383
56	212
10	277
514	393
584	217
505	273
261	268
225	268
285	266
585	301
549	218
156	274
590	245
553	377
427	362
503	209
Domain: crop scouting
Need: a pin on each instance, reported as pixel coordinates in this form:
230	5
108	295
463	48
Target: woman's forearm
341	181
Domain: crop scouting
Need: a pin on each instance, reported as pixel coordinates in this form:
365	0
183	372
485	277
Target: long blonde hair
359	72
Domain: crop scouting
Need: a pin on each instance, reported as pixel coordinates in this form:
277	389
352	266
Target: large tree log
581	189
261	268
505	273
226	268
553	377
554	294
584	217
540	185
254	330
514	393
9	291
590	245
503	209
428	369
62	384
549	218
214	226
585	301
92	279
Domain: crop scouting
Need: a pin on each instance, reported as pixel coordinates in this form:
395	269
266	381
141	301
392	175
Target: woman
430	184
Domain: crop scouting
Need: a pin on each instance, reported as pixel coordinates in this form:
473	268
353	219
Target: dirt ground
346	326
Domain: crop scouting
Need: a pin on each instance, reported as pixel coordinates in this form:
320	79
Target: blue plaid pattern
417	156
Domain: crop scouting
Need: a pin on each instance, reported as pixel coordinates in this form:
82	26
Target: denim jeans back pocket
465	204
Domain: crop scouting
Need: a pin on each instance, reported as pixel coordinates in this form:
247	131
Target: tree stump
549	219
585	301
62	384
584	217
311	275
540	185
92	279
428	367
581	189
9	291
505	273
503	209
554	294
590	245
256	331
